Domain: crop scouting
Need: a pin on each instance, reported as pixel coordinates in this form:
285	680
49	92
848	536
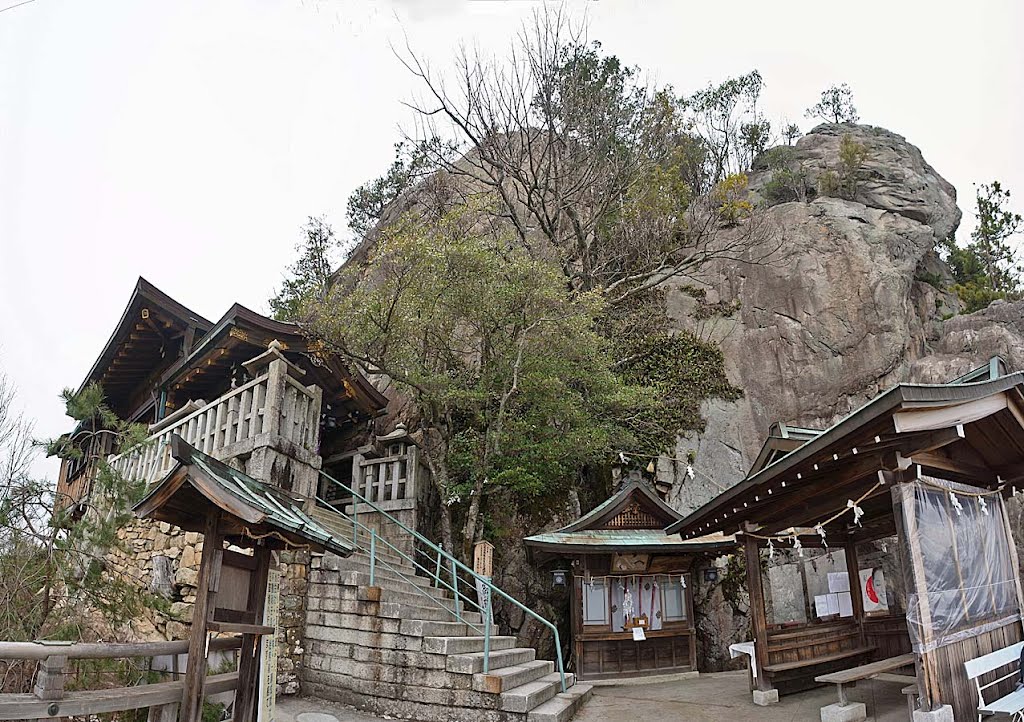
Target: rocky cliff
853	302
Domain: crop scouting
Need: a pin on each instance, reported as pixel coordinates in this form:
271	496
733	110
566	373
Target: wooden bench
814	661
1011	704
879	670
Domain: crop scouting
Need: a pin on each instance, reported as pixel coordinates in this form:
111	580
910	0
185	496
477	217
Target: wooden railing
387	478
273	403
50	700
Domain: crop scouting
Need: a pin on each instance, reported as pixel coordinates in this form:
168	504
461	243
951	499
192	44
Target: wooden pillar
904	513
249	660
758	620
206	597
853	571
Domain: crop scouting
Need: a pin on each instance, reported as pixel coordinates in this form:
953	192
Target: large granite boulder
851	298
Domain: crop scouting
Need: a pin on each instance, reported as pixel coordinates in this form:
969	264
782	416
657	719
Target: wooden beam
249	662
193	692
758	620
940	462
948	416
101	701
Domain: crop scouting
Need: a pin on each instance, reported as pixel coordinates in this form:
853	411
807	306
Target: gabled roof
595	531
631	491
981	424
139	342
231	341
199	484
782	439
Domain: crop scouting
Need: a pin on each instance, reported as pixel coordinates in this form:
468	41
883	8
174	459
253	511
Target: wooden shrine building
631	606
201	494
918	474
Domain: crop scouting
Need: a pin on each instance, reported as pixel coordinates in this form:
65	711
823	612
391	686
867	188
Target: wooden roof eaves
719	547
291	334
617	502
144	290
900	396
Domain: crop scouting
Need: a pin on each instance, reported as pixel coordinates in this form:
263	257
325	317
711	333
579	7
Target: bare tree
590	166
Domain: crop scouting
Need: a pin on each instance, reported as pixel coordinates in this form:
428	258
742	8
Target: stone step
474	661
427	613
563	706
464	645
502	680
527	696
387	581
426	628
391	609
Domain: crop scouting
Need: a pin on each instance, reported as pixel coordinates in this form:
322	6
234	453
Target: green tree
52	568
835	106
513	387
309	277
988	267
412	163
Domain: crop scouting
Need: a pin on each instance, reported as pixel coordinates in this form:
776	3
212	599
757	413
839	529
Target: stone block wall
164	560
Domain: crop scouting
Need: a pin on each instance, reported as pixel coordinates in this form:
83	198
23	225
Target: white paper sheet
833	603
821	605
638	634
838	582
845	604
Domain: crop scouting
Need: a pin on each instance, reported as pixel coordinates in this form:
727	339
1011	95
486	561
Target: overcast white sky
187	141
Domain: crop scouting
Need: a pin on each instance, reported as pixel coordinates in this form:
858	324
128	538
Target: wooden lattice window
633	517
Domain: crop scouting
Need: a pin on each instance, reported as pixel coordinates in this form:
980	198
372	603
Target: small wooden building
630	585
921	471
202	494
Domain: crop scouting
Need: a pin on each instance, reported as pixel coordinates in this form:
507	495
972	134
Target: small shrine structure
201	494
921	473
630	585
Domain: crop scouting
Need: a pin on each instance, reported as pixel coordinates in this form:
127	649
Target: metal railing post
487	629
373	556
455	565
455	586
355	525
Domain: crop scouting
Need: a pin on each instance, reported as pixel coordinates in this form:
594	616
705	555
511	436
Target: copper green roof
629	540
584	534
199	484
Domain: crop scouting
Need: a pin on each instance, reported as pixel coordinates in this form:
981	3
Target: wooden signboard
483	558
268	661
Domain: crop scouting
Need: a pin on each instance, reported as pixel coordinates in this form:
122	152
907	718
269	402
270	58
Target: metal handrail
375	539
457	565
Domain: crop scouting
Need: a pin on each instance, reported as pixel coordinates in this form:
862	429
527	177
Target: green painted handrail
457	565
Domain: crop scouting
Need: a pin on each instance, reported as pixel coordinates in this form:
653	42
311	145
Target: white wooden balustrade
274	403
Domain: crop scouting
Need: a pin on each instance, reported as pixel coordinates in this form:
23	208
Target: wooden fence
49	699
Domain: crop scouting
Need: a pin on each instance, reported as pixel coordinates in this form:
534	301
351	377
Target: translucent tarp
958	556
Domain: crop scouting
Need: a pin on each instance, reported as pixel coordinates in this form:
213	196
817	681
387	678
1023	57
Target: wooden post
757	614
277	370
206	597
50	678
249	660
856	595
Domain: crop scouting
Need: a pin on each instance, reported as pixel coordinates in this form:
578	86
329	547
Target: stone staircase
396	648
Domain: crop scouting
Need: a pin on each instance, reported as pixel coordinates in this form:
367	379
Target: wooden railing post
50	681
50	677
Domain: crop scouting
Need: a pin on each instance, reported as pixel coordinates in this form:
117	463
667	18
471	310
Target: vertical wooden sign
268	660
483	558
483	564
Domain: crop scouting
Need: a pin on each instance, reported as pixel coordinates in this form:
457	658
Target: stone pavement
724	696
708	698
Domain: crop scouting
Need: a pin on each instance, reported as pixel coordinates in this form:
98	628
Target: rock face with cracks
852	302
